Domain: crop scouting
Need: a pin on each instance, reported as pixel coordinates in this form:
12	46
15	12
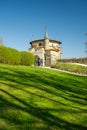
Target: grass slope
33	98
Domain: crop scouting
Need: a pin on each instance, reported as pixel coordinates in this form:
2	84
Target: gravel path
80	64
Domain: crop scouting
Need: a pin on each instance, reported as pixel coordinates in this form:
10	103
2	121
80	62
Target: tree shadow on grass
50	85
44	116
54	83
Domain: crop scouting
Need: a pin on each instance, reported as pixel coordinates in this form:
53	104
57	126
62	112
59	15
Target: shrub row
75	60
71	67
14	57
27	58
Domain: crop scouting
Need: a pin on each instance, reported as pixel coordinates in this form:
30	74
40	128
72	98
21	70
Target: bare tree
1	42
86	46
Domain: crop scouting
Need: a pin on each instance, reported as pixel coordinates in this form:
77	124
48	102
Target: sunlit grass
33	98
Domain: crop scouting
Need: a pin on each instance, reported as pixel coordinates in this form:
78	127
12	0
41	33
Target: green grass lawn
33	98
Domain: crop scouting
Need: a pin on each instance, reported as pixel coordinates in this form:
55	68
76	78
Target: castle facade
47	51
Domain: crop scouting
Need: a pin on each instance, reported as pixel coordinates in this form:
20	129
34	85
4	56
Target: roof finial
56	36
32	37
46	33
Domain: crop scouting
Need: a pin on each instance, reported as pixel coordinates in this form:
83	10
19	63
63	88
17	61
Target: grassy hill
33	98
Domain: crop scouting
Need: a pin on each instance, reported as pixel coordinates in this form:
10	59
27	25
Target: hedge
9	56
82	60
27	58
14	57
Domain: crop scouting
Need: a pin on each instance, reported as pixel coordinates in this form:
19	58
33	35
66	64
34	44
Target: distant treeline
12	56
75	60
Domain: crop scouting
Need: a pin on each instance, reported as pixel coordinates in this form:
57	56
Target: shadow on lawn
43	116
52	83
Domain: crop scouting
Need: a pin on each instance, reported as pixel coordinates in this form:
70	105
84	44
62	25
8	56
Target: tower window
40	44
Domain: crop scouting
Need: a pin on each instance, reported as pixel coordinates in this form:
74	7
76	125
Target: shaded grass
33	98
71	67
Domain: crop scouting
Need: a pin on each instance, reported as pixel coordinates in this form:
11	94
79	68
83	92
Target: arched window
40	44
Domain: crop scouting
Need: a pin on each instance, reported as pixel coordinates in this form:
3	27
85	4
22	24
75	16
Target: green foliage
15	56
3	54
9	56
27	58
71	67
12	56
33	98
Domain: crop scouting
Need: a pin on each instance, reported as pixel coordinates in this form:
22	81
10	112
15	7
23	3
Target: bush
14	57
27	58
70	67
3	54
9	56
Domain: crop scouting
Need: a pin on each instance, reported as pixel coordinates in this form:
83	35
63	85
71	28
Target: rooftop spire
32	37
46	33
56	36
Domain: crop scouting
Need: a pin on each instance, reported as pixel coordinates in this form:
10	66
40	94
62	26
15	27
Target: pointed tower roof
32	37
46	33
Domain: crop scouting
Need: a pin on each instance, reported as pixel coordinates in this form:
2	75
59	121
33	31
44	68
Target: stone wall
55	56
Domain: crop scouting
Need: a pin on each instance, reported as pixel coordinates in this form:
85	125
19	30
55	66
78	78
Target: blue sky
65	19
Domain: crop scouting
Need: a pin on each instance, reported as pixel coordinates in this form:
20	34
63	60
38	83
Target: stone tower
46	40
